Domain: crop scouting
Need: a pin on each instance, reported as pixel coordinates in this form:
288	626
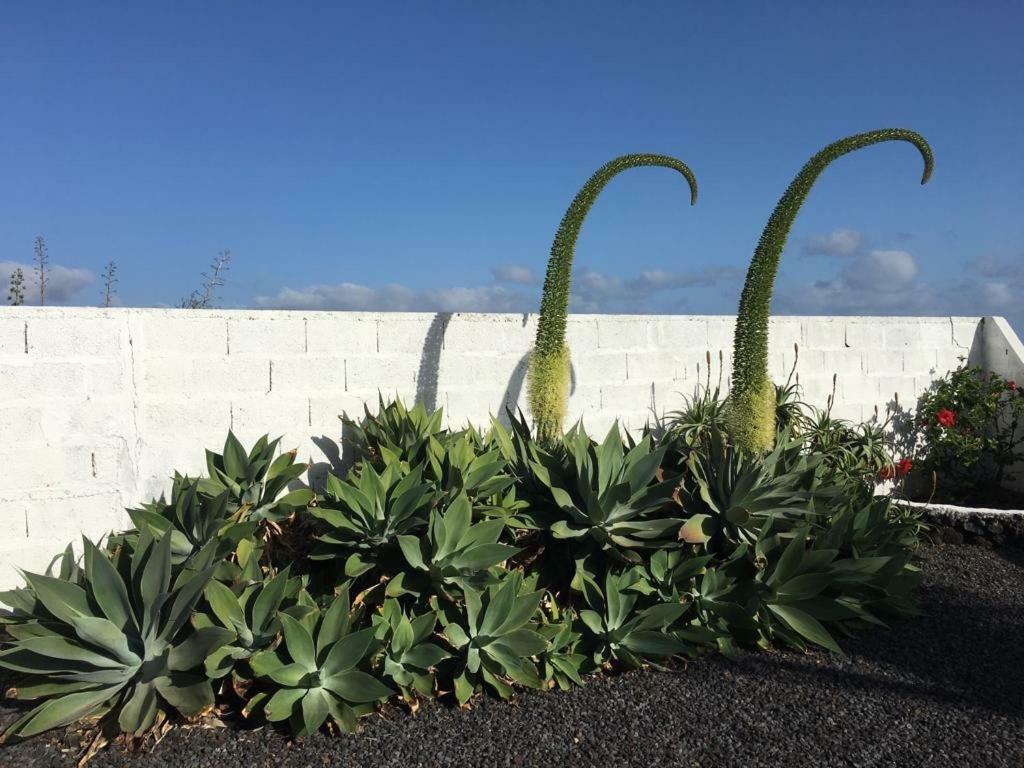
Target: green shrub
548	377
752	399
418	583
116	645
969	424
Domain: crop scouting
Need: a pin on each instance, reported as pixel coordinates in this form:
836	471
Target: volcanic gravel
942	689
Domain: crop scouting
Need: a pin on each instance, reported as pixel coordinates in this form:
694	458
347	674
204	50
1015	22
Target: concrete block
12	337
600	367
187	377
682	336
824	333
619	398
266	334
652	366
920	362
180	334
883	362
338	334
721	330
41	380
624	333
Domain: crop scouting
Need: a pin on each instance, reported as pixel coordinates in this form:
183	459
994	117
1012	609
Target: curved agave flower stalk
549	362
751	416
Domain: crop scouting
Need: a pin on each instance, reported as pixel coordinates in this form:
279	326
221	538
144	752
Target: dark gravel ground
943	689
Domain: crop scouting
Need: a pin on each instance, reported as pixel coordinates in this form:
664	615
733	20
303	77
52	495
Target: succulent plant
396	432
624	632
561	663
751	413
609	495
251	612
118	646
732	492
548	376
408	658
192	519
496	638
460	465
365	514
455	552
314	674
254	480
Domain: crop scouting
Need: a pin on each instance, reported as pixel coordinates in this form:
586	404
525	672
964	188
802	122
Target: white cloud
514	273
884	271
62	283
840	242
396	298
591	292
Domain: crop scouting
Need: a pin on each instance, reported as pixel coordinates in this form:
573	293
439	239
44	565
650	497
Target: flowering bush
969	431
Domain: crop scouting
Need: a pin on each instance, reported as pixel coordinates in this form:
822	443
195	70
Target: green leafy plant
496	638
119	646
623	631
365	514
395	432
408	658
314	673
548	376
193	520
609	494
751	414
251	614
455	552
254	480
969	425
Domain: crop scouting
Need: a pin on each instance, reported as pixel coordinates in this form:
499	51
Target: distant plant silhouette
16	292
205	296
41	257
548	377
109	282
751	412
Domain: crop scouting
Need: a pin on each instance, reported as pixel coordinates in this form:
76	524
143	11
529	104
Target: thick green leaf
356	687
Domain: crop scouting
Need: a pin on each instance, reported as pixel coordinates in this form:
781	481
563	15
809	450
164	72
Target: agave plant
496	638
408	657
561	663
118	646
21	601
314	674
737	491
366	514
192	519
623	631
548	377
252	615
254	481
395	433
608	494
670	574
751	413
459	466
455	552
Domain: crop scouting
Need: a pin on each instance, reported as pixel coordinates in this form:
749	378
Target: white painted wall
98	407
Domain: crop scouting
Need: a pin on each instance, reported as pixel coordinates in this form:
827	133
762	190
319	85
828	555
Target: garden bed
944	688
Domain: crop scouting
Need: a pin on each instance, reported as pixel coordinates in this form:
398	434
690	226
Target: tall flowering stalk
751	415
548	381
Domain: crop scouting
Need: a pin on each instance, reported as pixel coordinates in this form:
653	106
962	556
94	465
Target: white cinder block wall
98	407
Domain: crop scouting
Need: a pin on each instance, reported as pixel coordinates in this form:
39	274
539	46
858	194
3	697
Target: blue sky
421	157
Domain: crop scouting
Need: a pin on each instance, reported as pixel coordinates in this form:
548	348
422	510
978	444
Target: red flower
945	417
903	467
888	472
1013	386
